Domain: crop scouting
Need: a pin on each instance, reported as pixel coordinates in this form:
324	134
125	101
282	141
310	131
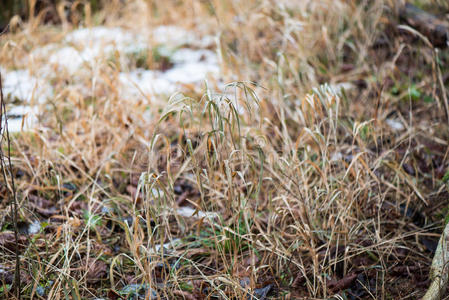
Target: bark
439	268
434	28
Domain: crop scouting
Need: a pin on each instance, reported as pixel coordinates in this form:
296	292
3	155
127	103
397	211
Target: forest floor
224	150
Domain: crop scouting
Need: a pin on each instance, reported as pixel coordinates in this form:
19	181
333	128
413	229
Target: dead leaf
134	193
7	240
344	283
185	295
96	270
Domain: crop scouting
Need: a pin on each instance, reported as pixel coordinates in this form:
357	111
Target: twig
12	188
439	269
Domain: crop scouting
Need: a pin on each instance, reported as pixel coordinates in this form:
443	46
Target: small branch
12	188
434	28
439	269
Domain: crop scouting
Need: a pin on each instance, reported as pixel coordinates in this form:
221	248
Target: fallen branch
435	29
439	269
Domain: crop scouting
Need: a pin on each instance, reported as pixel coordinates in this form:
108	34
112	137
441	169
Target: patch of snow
205	42
14	125
21	115
69	58
34	227
190	66
187	55
190	72
188	212
19	84
107	210
225	99
92	36
102	39
336	156
172	244
147	82
137	291
338	87
42	52
85	48
172	35
86	45
157	192
20	110
395	125
175	36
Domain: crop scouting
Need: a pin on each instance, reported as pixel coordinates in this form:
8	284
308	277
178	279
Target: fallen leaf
186	295
132	191
96	270
7	240
344	283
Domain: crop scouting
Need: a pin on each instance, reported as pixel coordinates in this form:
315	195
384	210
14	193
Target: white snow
190	66
188	212
20	110
226	98
172	36
190	72
187	55
172	244
34	227
84	49
22	115
157	192
70	59
395	124
85	45
96	36
14	125
338	87
175	36
19	84
336	156
147	82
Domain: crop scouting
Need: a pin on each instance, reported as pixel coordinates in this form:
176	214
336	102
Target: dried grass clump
299	187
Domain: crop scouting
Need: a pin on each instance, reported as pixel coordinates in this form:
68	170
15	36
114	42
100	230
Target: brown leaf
46	212
43	206
299	280
132	191
113	295
7	240
182	198
134	179
40	201
185	295
404	270
199	288
96	270
6	276
344	283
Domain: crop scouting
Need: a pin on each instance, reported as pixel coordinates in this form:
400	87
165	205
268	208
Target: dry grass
310	184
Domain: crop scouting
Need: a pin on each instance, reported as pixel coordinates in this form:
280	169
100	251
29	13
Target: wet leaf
139	291
7	240
261	293
344	283
6	276
96	270
185	295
